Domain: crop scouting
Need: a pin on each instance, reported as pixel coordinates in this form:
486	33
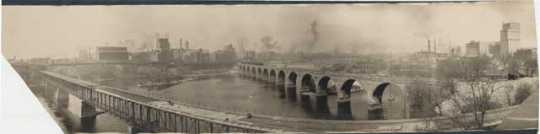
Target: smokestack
428	45
315	33
435	46
180	43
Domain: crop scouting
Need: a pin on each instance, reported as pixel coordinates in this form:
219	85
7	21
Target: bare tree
478	98
508	91
480	101
420	96
426	98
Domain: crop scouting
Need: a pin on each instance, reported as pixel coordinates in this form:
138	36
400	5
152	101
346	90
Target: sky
61	31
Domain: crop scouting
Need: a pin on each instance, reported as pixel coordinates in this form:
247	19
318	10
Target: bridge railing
144	115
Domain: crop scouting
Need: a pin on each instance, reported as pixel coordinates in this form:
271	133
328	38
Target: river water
233	93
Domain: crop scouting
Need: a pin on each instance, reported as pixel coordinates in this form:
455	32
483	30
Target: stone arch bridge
381	99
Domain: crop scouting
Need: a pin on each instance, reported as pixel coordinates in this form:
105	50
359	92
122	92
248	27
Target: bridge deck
111	90
146	113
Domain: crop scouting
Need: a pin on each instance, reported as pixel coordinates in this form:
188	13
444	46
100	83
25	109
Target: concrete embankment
493	118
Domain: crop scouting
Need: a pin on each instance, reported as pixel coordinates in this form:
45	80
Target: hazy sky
60	31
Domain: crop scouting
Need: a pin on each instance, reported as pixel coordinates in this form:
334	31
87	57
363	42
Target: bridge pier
88	117
141	117
305	99
62	100
281	90
344	109
291	92
375	113
321	104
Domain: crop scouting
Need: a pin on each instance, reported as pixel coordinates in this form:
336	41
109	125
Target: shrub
523	91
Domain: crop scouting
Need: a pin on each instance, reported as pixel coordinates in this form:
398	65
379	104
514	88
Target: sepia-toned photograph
279	68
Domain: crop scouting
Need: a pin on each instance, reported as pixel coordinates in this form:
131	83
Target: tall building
510	37
226	56
164	50
472	49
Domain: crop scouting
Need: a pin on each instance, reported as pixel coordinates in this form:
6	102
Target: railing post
198	126
182	124
158	118
138	116
103	103
170	121
175	125
115	106
148	120
83	94
109	103
91	96
165	120
100	100
211	127
123	108
133	112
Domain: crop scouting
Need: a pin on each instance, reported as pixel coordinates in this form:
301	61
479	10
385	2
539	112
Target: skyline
366	28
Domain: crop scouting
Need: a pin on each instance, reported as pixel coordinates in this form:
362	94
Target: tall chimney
180	43
428	45
435	46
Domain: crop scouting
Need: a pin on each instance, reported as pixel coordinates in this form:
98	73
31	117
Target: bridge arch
253	72
265	75
321	101
291	85
259	73
392	100
281	83
379	90
346	88
281	77
272	78
344	100
324	85
307	88
308	83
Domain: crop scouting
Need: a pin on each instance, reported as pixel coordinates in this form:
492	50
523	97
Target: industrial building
112	54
